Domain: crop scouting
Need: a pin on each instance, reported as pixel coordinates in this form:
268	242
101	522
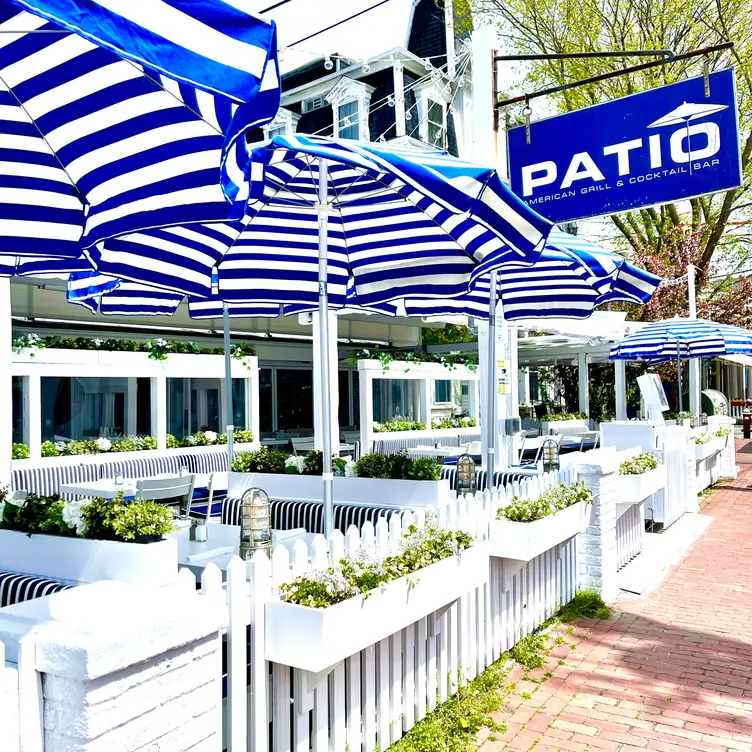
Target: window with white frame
436	123
285	123
349	120
442	391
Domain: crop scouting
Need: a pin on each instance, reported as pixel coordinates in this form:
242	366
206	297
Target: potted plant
325	616
704	446
525	528
639	478
677	419
564	422
89	540
721	437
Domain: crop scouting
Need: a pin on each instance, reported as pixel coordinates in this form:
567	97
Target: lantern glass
550	455
466	476
255	522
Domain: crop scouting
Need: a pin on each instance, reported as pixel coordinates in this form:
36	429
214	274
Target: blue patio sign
661	145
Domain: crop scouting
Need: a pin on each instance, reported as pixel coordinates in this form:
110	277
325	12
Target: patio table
106	488
221	544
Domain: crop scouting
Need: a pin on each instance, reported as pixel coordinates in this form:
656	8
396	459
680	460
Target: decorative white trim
284	118
434	90
349	90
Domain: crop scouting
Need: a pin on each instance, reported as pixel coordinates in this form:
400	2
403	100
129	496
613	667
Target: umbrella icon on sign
684	113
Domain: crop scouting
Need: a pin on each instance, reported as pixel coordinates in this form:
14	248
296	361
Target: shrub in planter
263	460
399	424
553	417
360	573
703	438
551	501
424	468
397	467
313	464
20	451
721	433
676	416
638	465
241	437
96	519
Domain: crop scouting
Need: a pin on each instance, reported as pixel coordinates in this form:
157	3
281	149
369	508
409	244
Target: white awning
740	360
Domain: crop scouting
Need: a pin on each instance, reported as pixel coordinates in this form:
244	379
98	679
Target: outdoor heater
550	453
466	479
255	523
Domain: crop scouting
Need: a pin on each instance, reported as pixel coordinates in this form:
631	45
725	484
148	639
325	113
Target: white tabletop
442	451
106	488
222	543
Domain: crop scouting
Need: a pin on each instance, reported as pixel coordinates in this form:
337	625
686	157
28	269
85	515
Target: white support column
739	382
318	418
159	410
399	99
252	401
583	384
6	383
620	389
749	383
425	386
473	399
33	414
524	385
695	401
131	410
366	411
224	420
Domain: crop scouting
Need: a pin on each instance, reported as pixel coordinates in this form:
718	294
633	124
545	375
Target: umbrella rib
44	138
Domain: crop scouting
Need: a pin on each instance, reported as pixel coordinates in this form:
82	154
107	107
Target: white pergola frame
425	373
82	364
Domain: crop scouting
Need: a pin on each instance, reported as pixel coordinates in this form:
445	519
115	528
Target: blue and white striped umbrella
121	118
680	339
403	222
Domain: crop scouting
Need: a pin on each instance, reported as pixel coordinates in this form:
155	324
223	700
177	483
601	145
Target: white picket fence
630	534
371	699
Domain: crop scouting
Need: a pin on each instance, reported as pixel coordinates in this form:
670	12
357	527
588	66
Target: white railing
21	716
630	533
371	699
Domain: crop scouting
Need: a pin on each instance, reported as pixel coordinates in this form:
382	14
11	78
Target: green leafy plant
361	573
49	449
20	451
397	467
459	422
172	442
638	465
314	463
400	424
552	417
551	501
424	468
703	438
586	604
449	360
263	460
722	432
141	520
676	416
38	514
242	437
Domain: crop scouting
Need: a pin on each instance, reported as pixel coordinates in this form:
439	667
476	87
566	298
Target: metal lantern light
255	523
466	480
550	451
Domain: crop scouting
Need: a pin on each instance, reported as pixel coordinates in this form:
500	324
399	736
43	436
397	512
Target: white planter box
357	491
401	369
526	540
566	427
720	443
314	639
78	560
632	489
703	451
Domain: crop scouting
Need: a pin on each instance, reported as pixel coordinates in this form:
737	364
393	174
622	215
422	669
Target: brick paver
671	671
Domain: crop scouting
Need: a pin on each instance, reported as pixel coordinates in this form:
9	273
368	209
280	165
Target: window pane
442	391
349	126
193	405
265	400
295	402
281	131
344	400
143	407
436	123
18	410
238	406
87	408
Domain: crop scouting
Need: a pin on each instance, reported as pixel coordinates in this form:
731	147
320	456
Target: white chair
303	445
590	437
175	491
217	481
474	447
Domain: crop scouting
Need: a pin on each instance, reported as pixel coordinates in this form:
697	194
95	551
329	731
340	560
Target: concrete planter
314	639
79	560
524	541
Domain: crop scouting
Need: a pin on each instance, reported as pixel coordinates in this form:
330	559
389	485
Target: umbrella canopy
401	222
686	112
680	338
118	123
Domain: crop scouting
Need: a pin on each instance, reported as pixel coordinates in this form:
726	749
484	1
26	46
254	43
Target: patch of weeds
560	640
528	652
561	662
587	604
526	696
548	675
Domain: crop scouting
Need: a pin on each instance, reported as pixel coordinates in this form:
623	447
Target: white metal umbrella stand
228	387
323	208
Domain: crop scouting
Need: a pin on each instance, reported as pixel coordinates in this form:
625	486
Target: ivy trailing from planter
360	573
638	465
449	360
158	348
550	502
95	519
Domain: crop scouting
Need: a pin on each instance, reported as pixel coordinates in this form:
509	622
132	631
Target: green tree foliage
451	334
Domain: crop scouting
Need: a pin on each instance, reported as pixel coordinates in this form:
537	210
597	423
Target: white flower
350	469
376	426
73	517
297	462
60	446
190	439
159	342
97	341
104	445
211	436
435	423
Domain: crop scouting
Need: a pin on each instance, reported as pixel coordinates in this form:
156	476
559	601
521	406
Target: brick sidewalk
671	671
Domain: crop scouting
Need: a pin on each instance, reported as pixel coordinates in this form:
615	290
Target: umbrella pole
489	424
679	371
323	216
228	386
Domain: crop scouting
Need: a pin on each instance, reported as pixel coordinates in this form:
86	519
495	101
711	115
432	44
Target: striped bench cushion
394	445
204	461
287	515
17	588
45	481
142	467
502	477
